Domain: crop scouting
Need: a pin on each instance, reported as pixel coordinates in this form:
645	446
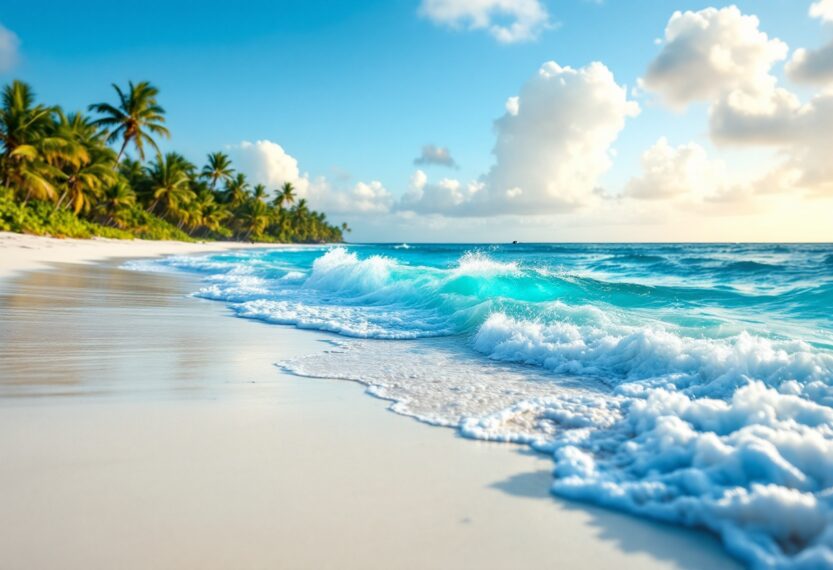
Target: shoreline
25	252
206	455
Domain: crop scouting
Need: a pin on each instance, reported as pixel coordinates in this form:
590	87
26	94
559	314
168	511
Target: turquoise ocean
691	384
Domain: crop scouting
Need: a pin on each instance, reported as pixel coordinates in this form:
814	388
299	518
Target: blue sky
353	90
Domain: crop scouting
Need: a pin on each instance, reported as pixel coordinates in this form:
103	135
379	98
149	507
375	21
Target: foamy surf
690	384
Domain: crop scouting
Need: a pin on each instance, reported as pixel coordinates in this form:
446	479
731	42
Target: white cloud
9	47
363	198
823	10
553	145
720	56
799	132
814	66
711	52
761	118
513	106
671	172
508	21
445	196
436	155
266	162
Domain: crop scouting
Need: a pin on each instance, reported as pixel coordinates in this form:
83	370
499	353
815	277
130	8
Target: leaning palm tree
217	169
136	117
168	183
83	186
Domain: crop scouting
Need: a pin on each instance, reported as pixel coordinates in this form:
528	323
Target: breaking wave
689	384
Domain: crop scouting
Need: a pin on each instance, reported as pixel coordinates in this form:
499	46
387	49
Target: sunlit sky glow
480	120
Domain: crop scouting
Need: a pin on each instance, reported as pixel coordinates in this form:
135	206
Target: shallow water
687	383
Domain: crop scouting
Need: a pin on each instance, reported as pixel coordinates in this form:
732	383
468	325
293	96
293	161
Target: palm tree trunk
121	152
61	200
7	167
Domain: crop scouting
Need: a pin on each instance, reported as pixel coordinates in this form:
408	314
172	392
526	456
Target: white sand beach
141	428
22	252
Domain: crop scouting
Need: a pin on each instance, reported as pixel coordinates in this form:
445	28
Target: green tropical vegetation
102	173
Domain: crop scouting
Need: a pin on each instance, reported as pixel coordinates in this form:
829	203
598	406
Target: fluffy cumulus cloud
799	131
823	10
814	66
552	145
363	198
9	46
671	172
446	196
435	155
708	53
266	162
508	21
720	56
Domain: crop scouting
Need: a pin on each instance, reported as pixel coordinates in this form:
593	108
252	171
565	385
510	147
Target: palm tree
287	193
132	171
169	182
254	218
21	123
300	219
85	163
259	192
83	184
218	168
301	208
237	190
31	173
213	215
136	117
116	200
50	159
190	215
277	201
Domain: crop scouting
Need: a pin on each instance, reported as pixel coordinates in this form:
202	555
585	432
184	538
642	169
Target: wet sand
140	428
